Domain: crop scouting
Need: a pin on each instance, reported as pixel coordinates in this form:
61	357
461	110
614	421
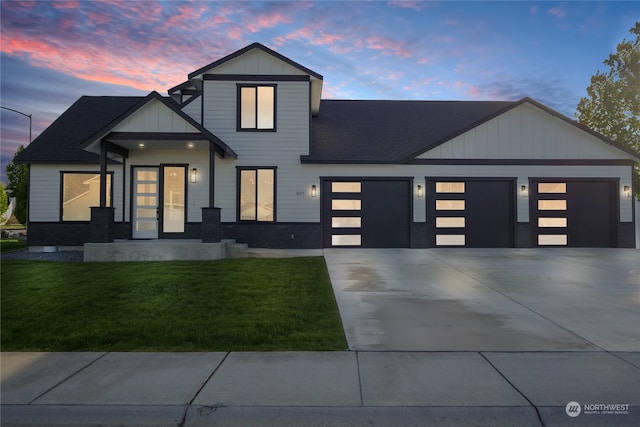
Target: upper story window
256	107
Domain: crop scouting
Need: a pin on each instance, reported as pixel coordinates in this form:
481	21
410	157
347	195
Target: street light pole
24	114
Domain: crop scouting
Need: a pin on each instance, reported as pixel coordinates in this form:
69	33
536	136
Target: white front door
145	203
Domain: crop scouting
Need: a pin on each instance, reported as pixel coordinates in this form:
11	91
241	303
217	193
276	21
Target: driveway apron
488	299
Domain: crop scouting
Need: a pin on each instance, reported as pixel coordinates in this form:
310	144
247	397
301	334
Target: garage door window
346	222
450	205
346	187
346	205
346	240
450	222
450	187
450	239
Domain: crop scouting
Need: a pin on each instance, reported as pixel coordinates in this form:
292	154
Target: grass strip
226	305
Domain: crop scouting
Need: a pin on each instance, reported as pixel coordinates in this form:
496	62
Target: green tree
612	104
18	176
4	201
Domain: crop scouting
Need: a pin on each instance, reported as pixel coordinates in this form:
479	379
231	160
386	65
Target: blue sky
53	52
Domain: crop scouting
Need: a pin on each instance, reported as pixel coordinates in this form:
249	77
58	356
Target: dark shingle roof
391	131
60	142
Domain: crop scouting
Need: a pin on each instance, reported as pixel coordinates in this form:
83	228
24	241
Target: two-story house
246	149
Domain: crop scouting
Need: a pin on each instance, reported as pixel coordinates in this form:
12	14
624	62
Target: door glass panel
552	205
346	240
552	222
552	187
450	239
346	205
450	205
248	195
146	188
145	225
146	175
346	222
346	187
173	213
265	194
449	187
145	213
146	200
450	222
552	239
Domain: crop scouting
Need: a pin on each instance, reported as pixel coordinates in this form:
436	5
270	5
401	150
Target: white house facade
246	149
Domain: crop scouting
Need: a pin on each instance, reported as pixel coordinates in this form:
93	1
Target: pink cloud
558	12
415	5
387	46
65	5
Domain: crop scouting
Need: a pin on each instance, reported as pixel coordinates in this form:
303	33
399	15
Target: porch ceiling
141	144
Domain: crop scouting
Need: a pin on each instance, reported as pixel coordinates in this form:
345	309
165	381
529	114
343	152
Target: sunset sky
53	52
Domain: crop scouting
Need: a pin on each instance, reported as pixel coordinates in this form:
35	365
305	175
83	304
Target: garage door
475	213
370	213
577	213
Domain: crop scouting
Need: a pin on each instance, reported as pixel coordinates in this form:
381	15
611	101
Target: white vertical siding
256	62
154	117
525	132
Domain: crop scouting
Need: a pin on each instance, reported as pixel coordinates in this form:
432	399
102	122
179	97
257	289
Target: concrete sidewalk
320	388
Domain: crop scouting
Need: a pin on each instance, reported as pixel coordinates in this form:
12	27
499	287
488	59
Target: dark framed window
256	108
257	194
80	191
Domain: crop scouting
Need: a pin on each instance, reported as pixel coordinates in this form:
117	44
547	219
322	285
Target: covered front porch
167	160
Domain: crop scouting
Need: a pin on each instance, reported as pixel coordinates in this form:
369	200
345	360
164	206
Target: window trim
239	87
239	170
61	198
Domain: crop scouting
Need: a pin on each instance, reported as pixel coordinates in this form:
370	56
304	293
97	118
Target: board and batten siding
257	62
524	132
44	189
154	117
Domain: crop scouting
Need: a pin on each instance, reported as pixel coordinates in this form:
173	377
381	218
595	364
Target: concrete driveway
488	299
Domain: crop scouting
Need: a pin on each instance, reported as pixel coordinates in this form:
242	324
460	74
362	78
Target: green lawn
8	245
226	305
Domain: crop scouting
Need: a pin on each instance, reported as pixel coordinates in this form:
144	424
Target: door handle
157	214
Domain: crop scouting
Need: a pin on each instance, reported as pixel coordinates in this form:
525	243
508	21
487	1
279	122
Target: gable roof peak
249	48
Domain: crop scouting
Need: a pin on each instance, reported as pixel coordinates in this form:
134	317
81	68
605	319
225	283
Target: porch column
211	232
102	217
103	174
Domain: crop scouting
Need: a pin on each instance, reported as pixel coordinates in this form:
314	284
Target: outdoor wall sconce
626	190
194	175
420	190
314	191
524	191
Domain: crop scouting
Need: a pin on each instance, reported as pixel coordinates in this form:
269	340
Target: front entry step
154	250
